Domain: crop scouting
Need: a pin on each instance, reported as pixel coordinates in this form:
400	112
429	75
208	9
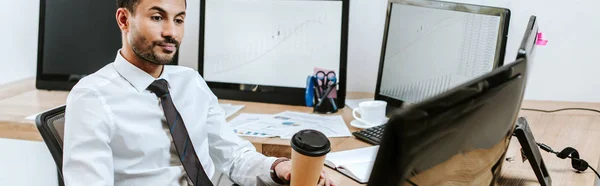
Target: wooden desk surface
578	129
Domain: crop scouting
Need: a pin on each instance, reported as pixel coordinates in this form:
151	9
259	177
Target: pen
333	103
317	87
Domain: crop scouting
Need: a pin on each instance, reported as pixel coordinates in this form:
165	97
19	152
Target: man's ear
123	16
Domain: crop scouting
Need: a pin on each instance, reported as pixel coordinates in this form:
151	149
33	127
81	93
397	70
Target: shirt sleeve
87	156
232	155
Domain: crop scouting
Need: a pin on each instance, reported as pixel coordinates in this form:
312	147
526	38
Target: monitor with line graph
263	50
432	46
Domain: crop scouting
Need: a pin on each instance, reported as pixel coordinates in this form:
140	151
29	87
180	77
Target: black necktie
180	136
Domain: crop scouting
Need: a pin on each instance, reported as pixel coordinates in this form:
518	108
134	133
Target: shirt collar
138	78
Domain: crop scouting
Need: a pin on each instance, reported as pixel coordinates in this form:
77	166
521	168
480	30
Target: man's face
156	29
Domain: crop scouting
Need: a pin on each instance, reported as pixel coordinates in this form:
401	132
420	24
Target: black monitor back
475	118
527	47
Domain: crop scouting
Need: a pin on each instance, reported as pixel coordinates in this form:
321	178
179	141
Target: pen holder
321	93
328	106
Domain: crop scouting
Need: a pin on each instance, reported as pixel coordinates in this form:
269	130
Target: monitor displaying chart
270	42
429	51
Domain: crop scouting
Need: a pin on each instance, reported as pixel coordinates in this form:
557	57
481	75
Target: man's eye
179	21
156	18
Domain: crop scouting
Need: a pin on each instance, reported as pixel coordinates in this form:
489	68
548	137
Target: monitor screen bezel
503	13
275	94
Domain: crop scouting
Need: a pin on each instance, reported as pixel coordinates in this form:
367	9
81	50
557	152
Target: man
138	122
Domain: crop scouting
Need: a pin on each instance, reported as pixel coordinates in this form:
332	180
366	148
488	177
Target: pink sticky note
540	40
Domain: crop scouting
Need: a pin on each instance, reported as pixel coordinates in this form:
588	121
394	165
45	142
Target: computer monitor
432	46
527	47
75	38
470	126
264	50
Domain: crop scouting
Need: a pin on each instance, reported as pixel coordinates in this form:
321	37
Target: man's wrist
273	173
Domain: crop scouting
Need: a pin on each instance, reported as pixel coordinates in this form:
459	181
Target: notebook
356	163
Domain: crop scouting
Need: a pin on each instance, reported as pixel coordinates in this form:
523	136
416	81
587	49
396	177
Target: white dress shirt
114	131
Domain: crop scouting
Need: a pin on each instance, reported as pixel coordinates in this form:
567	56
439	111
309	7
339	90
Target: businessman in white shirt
138	122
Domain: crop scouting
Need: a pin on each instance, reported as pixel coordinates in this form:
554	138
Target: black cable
562	109
594	171
546	148
566	153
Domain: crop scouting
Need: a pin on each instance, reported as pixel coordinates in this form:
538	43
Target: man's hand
284	171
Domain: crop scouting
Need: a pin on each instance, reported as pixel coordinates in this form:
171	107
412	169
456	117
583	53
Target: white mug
372	113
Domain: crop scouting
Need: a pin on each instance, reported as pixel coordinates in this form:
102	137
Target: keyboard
371	135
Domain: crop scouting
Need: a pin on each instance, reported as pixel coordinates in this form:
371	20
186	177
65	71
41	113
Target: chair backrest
51	125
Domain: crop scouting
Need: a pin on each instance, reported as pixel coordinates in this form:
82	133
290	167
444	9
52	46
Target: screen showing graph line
270	42
429	51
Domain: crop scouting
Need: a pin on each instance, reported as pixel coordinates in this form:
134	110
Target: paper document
331	126
245	118
243	125
353	103
260	128
286	124
32	117
231	109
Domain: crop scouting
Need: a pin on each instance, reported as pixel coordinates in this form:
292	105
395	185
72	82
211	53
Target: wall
188	53
26	163
19	39
565	68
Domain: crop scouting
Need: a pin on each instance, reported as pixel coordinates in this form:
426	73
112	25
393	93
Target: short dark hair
127	4
131	4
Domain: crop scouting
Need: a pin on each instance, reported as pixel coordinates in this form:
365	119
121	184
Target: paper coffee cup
309	148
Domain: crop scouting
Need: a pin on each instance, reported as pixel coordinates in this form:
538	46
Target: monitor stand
530	150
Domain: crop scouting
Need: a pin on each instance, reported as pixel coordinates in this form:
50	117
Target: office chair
51	125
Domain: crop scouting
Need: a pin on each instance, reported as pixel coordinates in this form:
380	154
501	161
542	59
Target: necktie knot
160	87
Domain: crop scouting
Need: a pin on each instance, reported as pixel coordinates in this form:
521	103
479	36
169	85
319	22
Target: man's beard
146	52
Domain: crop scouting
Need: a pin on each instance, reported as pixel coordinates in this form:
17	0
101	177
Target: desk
578	129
